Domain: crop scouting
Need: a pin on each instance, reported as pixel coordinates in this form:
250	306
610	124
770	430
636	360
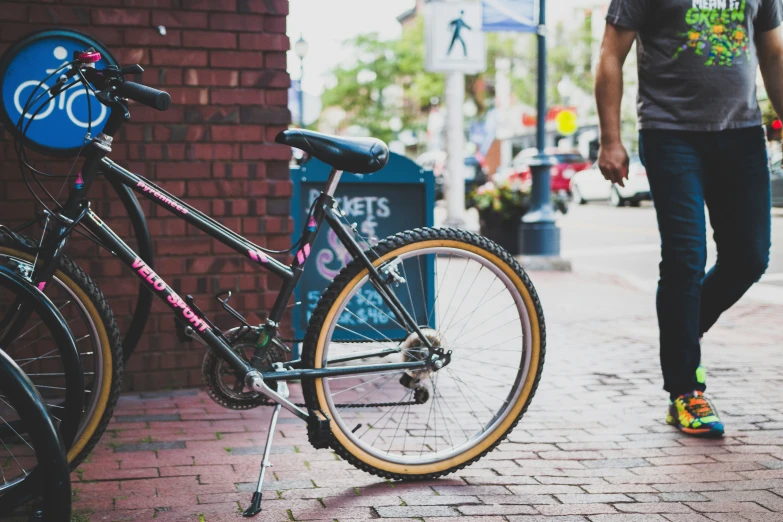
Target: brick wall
223	62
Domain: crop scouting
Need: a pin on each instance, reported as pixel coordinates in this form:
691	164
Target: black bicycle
446	379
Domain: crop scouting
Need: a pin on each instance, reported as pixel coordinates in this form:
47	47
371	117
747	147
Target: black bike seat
357	155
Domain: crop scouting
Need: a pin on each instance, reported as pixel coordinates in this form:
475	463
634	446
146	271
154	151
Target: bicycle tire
92	301
51	477
340	289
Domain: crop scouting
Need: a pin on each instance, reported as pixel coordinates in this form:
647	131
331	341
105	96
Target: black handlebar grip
146	95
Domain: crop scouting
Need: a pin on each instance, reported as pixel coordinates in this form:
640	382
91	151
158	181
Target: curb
545	263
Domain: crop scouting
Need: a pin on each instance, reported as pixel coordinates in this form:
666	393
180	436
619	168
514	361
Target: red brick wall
223	62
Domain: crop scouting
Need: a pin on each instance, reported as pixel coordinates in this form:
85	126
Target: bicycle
360	385
32	454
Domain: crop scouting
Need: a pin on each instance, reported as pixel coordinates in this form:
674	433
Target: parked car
568	164
590	185
777	180
436	161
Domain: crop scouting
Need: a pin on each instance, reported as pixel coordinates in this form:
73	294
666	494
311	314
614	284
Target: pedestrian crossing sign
454	39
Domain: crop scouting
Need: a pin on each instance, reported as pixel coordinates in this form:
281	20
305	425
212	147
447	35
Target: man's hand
613	161
612	158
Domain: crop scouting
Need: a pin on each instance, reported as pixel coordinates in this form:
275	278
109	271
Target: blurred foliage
393	63
399	63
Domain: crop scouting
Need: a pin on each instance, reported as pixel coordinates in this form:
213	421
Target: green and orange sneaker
692	413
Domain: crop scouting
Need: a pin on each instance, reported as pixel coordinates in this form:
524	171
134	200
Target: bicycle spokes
467	307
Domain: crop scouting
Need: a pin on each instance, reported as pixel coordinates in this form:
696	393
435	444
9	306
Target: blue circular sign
61	123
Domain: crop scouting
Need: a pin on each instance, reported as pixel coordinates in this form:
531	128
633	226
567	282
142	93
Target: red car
568	164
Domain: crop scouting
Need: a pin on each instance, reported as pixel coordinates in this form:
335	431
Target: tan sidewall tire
511	417
93	423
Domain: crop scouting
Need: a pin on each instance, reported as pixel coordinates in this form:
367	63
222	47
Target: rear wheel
423	424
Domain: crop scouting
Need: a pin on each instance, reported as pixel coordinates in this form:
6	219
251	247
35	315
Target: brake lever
57	88
132	69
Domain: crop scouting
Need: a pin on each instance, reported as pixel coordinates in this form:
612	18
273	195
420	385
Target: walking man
701	141
459	24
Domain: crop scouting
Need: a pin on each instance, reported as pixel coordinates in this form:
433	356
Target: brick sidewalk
593	446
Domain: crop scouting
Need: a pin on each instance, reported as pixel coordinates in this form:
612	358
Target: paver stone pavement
593	446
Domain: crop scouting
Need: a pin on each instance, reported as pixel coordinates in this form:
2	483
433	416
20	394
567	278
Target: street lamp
300	48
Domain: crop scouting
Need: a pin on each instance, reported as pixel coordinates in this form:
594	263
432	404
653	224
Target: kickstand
255	502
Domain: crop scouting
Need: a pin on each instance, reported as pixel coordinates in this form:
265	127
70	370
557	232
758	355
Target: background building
224	64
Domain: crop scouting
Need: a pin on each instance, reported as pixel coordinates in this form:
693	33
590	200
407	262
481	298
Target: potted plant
501	207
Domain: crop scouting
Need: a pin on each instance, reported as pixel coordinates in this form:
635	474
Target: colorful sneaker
691	413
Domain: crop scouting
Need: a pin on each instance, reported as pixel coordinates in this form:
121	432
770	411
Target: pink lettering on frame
162	197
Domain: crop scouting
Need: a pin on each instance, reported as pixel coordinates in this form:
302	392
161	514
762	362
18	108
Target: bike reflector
60	126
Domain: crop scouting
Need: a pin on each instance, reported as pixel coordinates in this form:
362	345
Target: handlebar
145	95
112	79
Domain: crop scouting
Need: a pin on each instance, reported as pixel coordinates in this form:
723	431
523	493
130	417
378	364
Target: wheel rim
17	454
88	342
376	432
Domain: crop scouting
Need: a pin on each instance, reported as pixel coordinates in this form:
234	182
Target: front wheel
94	328
469	297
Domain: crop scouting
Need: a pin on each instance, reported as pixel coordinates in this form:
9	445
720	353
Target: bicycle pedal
319	429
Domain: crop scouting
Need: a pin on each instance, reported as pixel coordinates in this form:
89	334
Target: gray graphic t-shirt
697	60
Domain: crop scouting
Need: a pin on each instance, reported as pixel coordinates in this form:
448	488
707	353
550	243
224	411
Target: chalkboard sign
60	126
397	198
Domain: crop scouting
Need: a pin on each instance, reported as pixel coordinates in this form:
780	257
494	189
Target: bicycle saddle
357	155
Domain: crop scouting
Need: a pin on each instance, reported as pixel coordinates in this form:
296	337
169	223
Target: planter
502	229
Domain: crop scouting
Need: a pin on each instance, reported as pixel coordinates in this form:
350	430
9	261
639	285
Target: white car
590	185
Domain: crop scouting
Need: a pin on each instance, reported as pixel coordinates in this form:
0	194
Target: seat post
331	183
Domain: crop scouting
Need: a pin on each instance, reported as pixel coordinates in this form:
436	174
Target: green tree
380	64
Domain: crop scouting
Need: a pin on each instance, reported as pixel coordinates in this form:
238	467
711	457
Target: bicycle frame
77	211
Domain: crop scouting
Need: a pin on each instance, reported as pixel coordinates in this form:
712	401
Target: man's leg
675	170
737	190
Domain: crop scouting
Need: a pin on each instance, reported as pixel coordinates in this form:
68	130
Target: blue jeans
729	171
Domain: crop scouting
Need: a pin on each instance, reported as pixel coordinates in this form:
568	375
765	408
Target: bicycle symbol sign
62	122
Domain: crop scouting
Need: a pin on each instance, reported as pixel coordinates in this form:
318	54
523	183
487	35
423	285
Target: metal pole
301	93
538	235
455	183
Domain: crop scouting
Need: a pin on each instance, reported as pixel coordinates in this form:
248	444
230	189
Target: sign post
455	45
538	235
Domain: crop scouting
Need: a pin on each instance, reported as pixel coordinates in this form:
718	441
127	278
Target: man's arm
612	157
770	51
